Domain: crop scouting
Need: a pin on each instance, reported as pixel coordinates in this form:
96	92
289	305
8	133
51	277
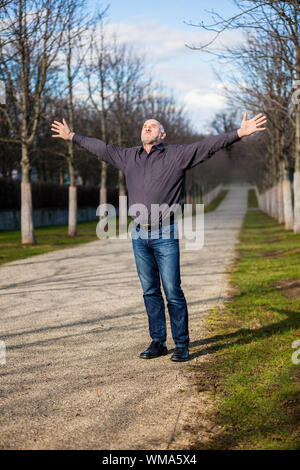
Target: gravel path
74	323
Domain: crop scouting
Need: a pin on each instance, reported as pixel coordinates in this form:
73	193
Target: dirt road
74	323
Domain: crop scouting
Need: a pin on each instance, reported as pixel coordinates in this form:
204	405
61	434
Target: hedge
45	194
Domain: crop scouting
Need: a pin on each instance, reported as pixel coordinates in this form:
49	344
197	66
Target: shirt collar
159	146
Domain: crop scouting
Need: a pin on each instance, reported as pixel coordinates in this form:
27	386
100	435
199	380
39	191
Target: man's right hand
63	130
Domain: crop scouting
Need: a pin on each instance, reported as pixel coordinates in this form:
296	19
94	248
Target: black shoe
155	349
180	355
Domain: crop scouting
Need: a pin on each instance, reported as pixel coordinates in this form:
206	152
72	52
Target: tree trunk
287	201
280	201
297	201
297	151
260	197
297	174
269	201
264	199
103	189
103	117
27	229
274	201
72	223
122	192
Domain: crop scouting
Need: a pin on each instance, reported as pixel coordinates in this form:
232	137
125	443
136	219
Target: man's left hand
252	125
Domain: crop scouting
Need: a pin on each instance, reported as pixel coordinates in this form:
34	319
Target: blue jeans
157	258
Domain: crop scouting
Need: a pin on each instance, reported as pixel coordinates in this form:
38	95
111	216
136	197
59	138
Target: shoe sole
180	360
154	357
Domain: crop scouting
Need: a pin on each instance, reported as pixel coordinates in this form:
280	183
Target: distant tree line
267	79
52	53
57	60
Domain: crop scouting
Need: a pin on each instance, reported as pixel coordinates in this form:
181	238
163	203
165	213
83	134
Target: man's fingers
261	120
245	116
261	123
55	135
257	116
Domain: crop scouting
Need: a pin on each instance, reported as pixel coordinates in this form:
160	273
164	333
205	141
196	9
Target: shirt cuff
234	137
76	138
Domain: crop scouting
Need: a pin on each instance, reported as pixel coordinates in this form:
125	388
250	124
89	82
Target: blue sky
157	30
171	12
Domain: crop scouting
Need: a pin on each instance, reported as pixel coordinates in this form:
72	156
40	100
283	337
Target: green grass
47	239
252	200
216	202
249	371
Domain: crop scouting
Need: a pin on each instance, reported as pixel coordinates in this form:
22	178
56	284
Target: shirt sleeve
190	155
109	153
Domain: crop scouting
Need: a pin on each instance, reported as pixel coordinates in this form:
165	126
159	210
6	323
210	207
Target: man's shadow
246	335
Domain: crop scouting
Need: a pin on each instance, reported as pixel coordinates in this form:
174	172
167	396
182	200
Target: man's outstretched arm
109	153
191	155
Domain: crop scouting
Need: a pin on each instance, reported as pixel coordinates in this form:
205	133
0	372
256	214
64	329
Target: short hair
162	129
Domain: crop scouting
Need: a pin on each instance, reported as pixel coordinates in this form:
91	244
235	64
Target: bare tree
30	39
78	23
97	74
267	82
278	20
127	85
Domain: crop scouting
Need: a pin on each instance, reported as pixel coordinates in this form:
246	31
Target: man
155	174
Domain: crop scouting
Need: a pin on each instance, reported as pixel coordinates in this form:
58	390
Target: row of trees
237	163
51	50
268	80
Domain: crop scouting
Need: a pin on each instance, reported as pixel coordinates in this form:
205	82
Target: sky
157	29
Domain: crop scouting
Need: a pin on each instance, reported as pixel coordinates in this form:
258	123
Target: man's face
151	132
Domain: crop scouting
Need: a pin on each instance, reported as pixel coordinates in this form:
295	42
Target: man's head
152	132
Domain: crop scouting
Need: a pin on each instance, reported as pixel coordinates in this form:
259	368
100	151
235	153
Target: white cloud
199	100
188	73
202	105
166	42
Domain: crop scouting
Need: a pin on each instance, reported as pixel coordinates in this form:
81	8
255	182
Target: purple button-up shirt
157	177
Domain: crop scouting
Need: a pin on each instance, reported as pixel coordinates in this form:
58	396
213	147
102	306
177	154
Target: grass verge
248	368
47	239
216	202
